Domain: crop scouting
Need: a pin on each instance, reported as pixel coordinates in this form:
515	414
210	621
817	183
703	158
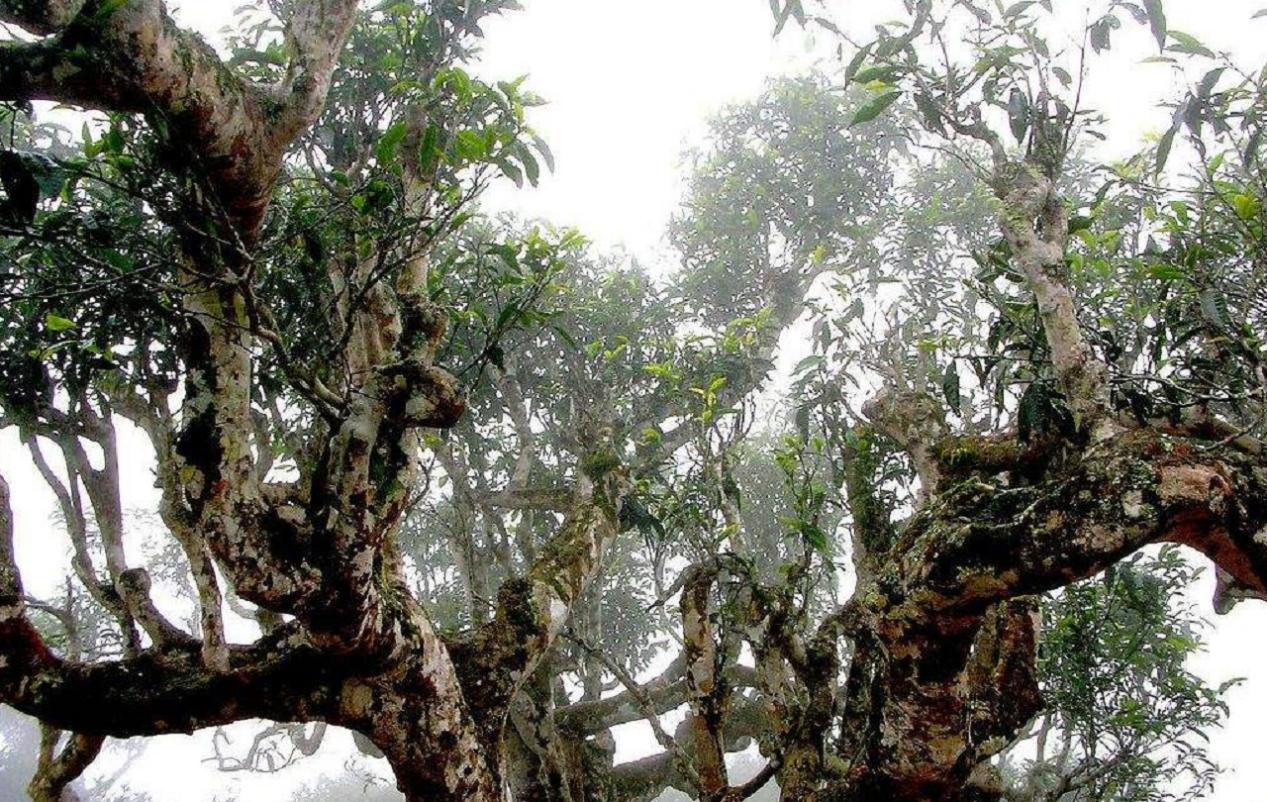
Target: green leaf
1192	115
855	64
509	311
470	146
1208	82
930	113
1164	146
1247	206
566	336
950	387
1187	43
389	141
1031	412
512	172
1080	222
791	9
429	150
531	168
545	151
57	323
1252	145
802	421
1156	21
876	72
1016	9
811	361
1166	272
814	536
112	140
980	13
873	108
1214	308
1102	31
104	9
1018	112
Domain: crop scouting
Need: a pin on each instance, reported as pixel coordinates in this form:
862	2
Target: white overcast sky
630	84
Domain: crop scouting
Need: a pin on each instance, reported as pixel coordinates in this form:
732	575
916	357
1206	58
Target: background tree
1125	719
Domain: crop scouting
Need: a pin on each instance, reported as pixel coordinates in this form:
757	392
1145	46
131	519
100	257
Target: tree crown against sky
471	482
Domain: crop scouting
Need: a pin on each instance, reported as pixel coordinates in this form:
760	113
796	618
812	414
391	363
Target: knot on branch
423	325
917	423
907	417
134	581
433	397
1022	188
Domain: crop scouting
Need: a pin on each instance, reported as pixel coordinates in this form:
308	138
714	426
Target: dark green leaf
1187	43
950	387
876	72
470	146
565	336
1208	82
930	113
512	172
1080	222
1031	413
802	421
1016	9
1252	145
814	537
531	168
1018	114
1164	146
1102	31
1214	308
1157	21
855	64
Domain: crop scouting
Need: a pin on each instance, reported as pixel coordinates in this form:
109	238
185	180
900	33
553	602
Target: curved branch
133	58
982	543
58	769
532	610
41	17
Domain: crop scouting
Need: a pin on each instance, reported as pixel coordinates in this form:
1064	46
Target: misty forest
892	483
